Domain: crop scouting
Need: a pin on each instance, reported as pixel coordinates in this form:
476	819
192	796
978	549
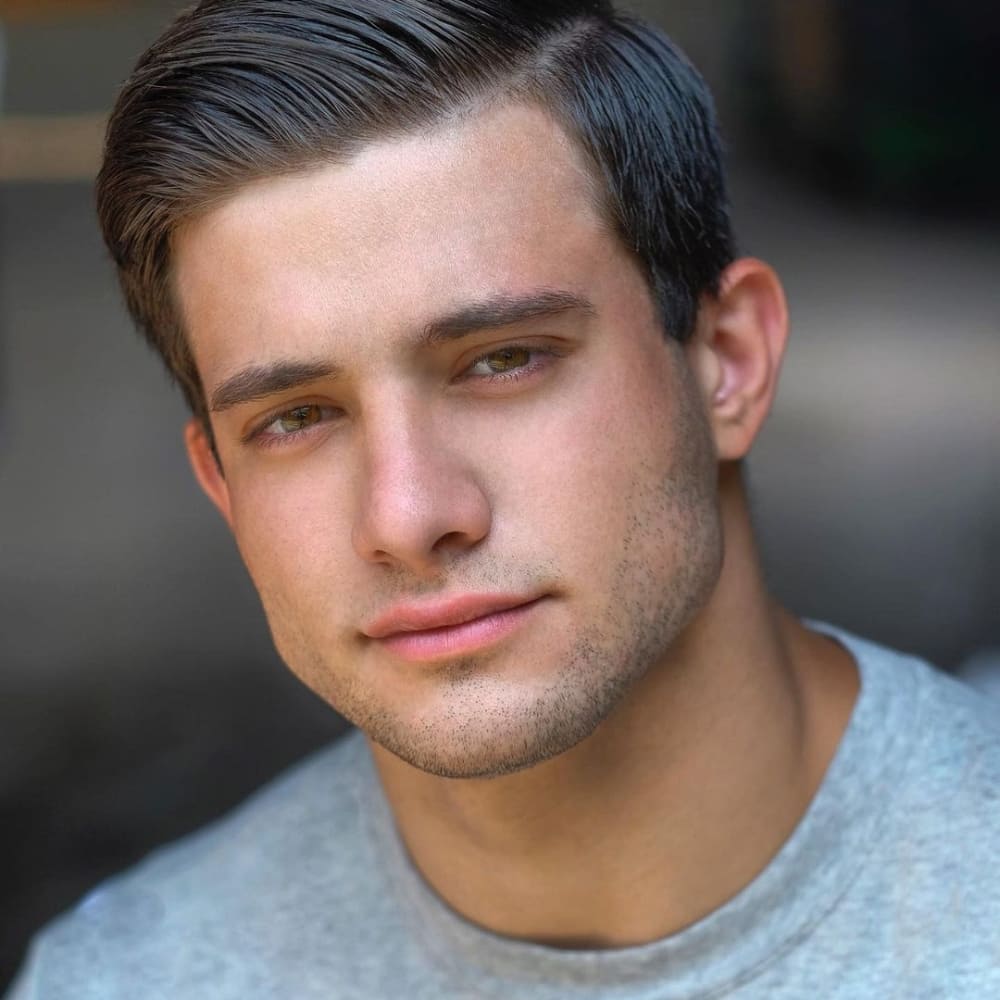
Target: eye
503	361
286	426
294	420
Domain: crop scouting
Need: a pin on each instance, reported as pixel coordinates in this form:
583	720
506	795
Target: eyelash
517	373
259	437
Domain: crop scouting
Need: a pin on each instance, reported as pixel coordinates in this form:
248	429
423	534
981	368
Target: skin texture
651	709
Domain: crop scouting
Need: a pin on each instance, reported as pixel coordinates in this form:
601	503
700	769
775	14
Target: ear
207	469
736	353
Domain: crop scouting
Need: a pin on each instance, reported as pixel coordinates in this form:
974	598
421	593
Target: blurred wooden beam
50	147
41	10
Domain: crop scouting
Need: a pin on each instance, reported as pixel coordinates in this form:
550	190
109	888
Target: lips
454	626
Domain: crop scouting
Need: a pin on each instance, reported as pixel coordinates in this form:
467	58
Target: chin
483	728
472	759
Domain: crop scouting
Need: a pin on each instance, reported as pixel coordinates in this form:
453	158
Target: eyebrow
503	310
260	381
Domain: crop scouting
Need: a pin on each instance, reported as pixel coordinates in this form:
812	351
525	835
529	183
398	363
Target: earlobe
206	467
738	353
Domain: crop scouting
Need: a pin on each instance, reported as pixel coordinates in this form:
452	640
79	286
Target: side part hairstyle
239	90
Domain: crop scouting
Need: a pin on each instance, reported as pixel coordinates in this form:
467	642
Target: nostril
454	539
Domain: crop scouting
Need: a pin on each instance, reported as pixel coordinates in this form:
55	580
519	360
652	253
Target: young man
450	288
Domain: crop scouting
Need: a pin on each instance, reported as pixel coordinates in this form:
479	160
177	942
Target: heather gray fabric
888	888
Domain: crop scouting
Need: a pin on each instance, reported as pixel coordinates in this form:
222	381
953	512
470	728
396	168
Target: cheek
628	422
286	526
571	482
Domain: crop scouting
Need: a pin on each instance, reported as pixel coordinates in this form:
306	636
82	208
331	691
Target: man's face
440	392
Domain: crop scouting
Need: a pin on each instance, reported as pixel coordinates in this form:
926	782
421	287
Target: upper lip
419	615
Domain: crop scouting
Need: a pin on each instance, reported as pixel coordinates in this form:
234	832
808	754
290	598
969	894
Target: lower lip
451	641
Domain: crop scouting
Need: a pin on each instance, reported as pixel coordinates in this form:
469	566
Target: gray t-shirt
887	888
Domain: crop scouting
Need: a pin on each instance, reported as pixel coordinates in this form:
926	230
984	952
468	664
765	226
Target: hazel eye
288	426
297	419
501	361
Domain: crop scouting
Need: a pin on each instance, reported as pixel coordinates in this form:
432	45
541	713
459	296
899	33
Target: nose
420	501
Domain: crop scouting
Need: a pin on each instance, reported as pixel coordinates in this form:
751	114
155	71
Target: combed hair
238	90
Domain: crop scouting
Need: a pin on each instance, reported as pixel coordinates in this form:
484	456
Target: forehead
407	229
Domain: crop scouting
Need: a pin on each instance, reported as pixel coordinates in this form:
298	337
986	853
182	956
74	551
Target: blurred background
140	694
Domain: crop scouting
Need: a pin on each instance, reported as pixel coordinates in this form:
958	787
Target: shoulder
267	838
210	914
910	831
952	792
955	729
944	715
946	733
931	868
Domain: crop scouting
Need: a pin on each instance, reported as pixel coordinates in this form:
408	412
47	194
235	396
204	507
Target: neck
675	803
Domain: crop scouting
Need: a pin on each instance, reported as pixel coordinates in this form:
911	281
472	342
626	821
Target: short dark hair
237	90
